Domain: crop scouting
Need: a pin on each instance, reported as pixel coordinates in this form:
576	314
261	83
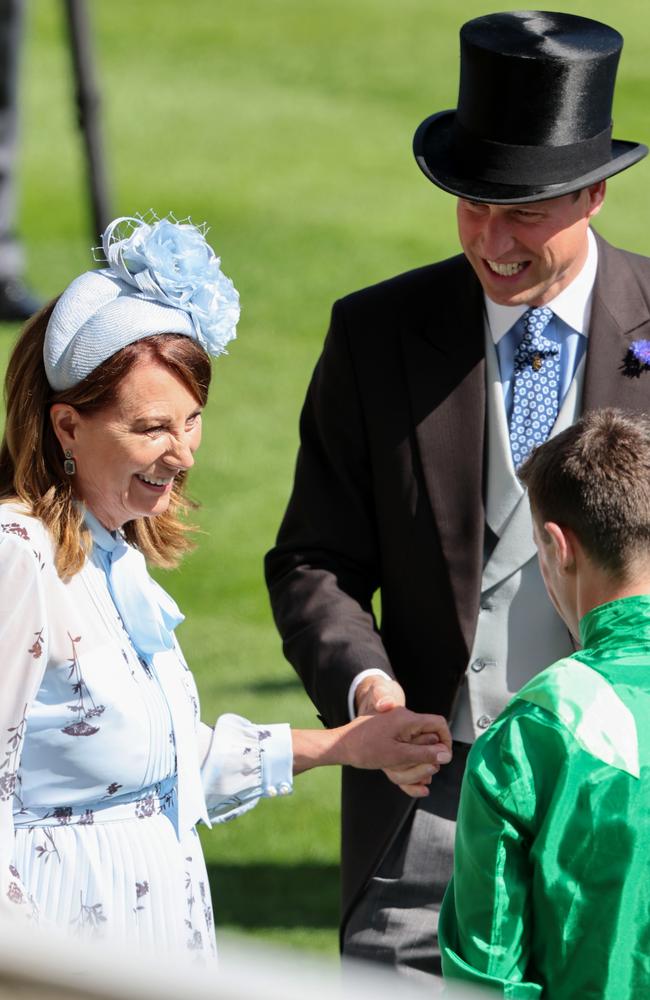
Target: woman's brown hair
31	461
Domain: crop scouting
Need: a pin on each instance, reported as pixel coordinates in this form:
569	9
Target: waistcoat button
479	664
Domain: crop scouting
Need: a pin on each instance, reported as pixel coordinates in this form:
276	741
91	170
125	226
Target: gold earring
69	465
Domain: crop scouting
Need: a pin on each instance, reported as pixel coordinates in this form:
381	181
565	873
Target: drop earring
69	465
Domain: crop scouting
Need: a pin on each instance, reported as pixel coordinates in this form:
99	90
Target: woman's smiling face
128	453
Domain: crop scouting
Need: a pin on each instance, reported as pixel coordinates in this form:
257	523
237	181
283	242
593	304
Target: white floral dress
91	837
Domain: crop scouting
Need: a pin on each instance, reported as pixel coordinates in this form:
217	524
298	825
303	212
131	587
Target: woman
104	766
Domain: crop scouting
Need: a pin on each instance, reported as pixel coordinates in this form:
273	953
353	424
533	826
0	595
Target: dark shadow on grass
275	685
267	686
275	895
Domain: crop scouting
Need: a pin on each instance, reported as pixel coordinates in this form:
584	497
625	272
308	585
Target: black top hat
534	116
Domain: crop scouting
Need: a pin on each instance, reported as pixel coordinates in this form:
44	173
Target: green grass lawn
287	126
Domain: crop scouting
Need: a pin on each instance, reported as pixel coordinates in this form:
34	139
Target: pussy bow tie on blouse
149	616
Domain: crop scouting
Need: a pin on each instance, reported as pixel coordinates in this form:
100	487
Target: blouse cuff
245	762
277	760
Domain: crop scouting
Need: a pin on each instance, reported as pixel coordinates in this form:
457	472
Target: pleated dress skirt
121	874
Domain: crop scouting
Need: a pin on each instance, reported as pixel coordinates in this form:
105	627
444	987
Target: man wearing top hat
433	387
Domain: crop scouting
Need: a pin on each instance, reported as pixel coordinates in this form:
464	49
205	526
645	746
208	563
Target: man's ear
563	545
596	198
65	423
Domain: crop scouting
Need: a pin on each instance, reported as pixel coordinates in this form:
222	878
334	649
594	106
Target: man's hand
376	695
409	747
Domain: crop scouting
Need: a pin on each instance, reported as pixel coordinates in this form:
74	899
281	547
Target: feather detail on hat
162	277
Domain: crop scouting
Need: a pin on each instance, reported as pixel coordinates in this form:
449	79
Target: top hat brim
433	149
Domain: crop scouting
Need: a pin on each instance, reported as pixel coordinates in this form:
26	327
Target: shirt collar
572	305
102	537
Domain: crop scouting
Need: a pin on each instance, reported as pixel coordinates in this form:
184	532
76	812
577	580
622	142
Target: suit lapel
445	370
619	315
503	489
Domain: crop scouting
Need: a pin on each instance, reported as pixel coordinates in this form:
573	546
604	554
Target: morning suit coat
389	496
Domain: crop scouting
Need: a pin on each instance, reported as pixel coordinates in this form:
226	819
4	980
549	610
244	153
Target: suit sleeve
324	569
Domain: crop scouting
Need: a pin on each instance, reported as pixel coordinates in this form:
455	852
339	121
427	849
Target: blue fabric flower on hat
637	358
171	262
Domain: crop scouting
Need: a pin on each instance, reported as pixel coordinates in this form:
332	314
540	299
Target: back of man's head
594	478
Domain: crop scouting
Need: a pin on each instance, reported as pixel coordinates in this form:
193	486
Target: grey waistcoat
518	631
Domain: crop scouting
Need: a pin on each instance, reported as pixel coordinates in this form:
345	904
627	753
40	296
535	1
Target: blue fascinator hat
161	276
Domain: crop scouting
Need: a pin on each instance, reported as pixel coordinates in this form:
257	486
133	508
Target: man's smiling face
527	254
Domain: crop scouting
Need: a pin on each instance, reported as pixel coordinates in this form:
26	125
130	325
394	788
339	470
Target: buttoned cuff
245	762
276	753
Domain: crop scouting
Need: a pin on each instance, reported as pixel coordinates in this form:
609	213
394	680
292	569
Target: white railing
39	966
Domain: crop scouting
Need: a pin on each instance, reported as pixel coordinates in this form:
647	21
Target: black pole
88	102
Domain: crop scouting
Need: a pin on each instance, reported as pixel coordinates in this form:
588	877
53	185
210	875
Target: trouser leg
395	921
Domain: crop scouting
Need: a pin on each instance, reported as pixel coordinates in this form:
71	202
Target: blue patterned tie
536	381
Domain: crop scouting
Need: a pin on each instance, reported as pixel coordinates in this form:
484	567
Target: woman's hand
408	746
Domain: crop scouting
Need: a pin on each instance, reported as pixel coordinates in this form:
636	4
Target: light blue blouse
105	766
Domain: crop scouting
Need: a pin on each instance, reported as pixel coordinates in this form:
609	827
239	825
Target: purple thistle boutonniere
637	359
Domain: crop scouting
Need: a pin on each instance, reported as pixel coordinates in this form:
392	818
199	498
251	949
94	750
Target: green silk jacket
551	890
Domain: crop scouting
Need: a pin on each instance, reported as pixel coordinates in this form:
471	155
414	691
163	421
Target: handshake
379	696
409	747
